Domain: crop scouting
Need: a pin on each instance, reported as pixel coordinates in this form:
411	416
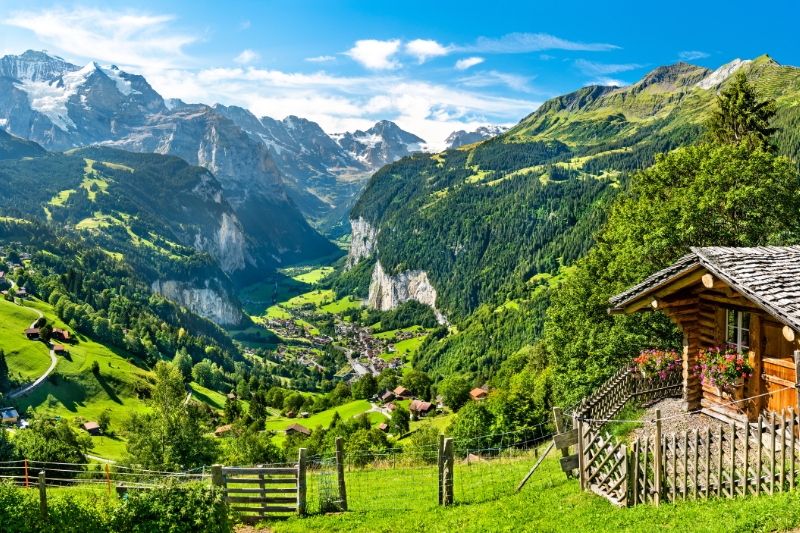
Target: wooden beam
708	280
671	287
788	334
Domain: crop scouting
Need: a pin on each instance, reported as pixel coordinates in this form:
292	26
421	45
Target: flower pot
734	390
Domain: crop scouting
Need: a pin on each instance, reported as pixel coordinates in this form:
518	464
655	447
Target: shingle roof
769	276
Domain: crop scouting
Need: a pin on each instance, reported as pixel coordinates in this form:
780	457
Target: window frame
738	327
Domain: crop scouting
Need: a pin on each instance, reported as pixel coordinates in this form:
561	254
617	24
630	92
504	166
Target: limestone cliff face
206	301
387	293
363	242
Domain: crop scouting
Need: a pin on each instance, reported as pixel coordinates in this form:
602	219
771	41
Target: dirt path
53	361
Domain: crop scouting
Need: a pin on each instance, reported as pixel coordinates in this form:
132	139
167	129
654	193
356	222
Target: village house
32	333
22	292
386	396
479	394
745	298
296	428
60	334
9	415
223	430
92	428
384	427
58	349
403	393
390	407
420	408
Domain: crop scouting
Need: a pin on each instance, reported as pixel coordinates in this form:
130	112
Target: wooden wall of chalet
700	311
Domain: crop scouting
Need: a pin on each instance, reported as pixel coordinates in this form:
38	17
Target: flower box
657	363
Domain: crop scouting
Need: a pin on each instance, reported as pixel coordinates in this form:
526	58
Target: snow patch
722	74
3	122
123	86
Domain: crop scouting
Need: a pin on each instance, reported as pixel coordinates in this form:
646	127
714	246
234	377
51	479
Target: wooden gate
605	468
258	493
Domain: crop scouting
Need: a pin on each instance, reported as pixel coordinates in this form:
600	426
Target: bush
176	509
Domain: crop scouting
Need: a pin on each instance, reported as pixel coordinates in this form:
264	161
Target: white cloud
426	49
464	64
122	37
487	79
244	25
515	43
591	68
608	82
247	56
320	59
376	55
691	55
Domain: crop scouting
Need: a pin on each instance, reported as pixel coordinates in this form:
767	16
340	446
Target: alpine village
585	317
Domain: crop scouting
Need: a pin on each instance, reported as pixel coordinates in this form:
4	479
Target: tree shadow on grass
101	379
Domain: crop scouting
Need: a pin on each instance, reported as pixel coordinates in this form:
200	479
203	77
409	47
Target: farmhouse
223	430
384	427
745	298
9	415
22	292
59	350
420	408
92	428
296	428
386	396
60	334
402	392
32	333
479	394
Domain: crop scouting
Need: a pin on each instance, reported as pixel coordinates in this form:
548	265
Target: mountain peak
669	78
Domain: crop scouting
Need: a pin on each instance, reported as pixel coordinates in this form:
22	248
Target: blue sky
432	67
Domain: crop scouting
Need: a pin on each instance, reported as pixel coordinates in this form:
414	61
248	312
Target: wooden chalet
402	392
60	334
59	349
479	394
420	408
32	333
296	428
93	428
746	297
9	415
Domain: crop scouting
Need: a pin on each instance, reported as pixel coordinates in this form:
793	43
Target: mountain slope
478	231
61	106
460	138
166	218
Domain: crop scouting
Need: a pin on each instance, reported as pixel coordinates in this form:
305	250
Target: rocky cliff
362	244
205	301
388	292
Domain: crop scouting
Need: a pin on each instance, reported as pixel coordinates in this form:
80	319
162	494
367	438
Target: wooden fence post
216	475
340	473
581	459
441	468
560	429
448	472
301	482
42	496
657	462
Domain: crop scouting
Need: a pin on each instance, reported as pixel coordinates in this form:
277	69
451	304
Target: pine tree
4	381
741	117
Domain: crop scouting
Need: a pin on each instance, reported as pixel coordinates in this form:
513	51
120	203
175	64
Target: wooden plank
635	459
760	437
258	501
233	472
696	453
685	464
746	478
289	490
340	473
569	463
565	440
670	286
783	448
732	491
257	481
708	462
785	363
792	448
719	464
772	456
264	509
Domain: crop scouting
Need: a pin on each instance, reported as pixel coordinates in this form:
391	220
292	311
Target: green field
323	419
312	297
341	305
27	360
377	418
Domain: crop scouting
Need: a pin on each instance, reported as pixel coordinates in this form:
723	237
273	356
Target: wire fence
485	468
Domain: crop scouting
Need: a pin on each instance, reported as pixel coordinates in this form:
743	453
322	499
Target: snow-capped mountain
383	143
461	137
63	106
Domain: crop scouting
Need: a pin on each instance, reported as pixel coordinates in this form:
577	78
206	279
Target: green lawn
313	276
323	419
27	360
377	418
404	500
313	297
276	312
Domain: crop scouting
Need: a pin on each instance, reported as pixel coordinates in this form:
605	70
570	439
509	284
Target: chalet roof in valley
769	276
297	428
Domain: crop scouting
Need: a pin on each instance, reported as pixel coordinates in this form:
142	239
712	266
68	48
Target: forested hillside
494	225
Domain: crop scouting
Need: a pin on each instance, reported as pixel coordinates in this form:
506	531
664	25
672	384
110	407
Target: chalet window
739	329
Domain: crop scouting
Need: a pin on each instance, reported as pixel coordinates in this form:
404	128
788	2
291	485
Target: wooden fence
728	460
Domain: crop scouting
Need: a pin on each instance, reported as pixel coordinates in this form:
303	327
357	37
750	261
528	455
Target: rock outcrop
362	244
388	292
207	301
